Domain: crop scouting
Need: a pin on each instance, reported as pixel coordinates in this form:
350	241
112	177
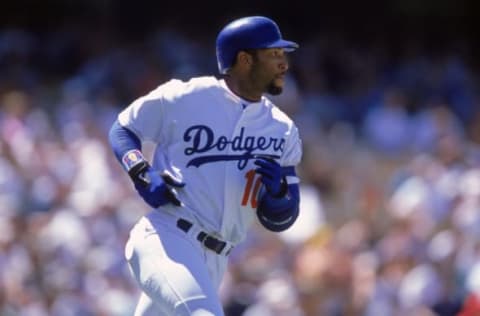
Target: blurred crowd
390	192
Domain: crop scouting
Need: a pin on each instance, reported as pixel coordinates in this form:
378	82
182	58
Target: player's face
268	70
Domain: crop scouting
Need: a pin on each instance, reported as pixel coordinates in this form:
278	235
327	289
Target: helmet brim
289	46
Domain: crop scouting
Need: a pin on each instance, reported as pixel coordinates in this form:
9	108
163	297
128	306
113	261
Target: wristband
131	158
135	164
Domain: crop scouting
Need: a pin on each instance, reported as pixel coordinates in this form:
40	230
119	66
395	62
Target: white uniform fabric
176	274
207	136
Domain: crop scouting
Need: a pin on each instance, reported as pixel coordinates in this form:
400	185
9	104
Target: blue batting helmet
248	33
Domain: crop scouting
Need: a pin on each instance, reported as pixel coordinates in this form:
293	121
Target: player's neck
243	90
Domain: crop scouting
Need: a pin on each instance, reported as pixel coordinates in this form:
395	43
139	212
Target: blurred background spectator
386	97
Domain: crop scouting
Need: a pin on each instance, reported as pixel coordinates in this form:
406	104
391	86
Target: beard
256	76
273	89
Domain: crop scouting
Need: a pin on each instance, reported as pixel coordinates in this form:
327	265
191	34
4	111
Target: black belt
207	240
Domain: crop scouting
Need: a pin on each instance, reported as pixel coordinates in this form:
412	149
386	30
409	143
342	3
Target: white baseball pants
176	274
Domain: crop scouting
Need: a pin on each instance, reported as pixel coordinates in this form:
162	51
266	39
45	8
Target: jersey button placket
231	174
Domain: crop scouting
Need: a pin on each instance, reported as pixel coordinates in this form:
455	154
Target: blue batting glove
158	189
272	176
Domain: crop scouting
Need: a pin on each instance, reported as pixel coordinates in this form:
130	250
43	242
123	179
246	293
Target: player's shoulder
178	88
204	82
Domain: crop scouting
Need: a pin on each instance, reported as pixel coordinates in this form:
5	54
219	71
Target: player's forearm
122	141
278	214
127	148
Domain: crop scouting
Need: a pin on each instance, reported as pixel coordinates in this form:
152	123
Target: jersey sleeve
292	155
145	115
293	148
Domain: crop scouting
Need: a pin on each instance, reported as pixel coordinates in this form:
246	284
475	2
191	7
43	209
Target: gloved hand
157	188
272	177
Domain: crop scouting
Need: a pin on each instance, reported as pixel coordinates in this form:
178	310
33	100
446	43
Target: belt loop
228	250
201	236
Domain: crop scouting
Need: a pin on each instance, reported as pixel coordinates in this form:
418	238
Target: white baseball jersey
207	136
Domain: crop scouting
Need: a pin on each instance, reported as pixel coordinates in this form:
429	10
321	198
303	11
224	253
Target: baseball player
225	157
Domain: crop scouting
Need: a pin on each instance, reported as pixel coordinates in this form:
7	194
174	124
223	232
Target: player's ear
244	58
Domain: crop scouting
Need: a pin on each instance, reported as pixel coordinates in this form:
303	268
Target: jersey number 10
252	186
